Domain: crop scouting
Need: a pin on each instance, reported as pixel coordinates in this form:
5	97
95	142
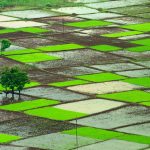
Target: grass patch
62	47
33	30
28	105
106	48
69	83
90	132
135	138
32	58
4	31
6	138
134	96
23	51
145	104
145	81
145	42
121	34
139	49
39	3
145	27
101	77
54	113
90	23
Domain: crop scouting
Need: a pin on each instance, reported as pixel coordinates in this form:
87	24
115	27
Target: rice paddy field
89	66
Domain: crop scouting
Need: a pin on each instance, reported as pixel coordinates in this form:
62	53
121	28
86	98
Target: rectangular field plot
121	34
6	138
142	129
6	18
134	96
102	134
89	23
98	16
3	31
135	138
104	120
54	113
32	58
145	42
76	10
62	47
139	49
6	147
28	105
20	51
131	10
54	93
115	4
105	87
20	24
68	83
55	141
144	63
33	30
90	106
113	145
117	67
145	81
89	132
145	27
136	73
101	77
30	14
105	48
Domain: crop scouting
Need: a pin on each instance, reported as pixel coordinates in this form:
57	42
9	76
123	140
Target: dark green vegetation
13	79
4	45
34	3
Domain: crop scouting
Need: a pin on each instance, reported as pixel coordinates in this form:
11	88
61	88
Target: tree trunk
19	95
12	90
6	92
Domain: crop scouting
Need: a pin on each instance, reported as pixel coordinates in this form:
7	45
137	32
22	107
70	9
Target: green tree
4	45
13	79
22	80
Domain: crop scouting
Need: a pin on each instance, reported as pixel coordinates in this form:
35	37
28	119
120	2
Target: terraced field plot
35	57
88	24
89	67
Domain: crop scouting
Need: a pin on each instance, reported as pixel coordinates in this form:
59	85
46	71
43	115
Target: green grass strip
145	42
135	138
32	58
145	27
143	81
69	83
105	48
54	113
62	47
6	138
28	105
33	30
4	31
22	51
89	23
145	104
100	134
101	77
121	34
139	49
134	96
